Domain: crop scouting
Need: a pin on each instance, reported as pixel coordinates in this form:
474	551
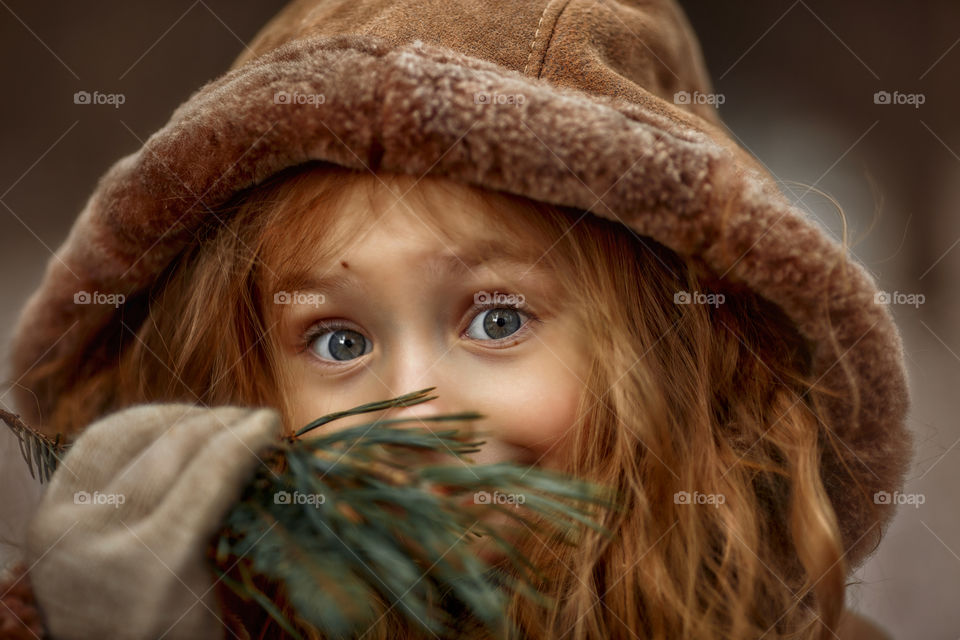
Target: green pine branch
38	450
375	523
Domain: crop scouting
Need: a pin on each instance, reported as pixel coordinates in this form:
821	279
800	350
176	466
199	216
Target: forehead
440	228
353	214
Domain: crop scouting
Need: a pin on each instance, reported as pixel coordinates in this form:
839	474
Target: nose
420	359
417	361
422	416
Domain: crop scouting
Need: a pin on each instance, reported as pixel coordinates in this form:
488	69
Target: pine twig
378	525
35	447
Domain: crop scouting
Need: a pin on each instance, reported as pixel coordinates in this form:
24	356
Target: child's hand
116	547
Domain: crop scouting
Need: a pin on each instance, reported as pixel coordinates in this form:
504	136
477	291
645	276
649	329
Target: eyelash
317	329
325	326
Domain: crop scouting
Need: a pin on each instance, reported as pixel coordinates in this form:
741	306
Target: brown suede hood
566	101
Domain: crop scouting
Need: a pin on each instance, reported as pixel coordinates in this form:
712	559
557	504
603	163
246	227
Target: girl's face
400	309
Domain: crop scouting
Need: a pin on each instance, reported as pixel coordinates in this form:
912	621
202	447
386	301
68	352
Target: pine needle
406	400
37	449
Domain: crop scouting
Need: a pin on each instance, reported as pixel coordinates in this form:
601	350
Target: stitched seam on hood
546	46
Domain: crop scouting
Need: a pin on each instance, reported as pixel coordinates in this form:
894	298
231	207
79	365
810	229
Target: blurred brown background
798	80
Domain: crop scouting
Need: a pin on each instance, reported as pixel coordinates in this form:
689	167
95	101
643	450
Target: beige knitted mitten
116	547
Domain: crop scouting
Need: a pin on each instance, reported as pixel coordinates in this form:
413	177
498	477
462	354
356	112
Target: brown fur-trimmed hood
573	102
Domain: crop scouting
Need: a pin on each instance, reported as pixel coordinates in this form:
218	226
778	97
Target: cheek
536	407
304	406
309	400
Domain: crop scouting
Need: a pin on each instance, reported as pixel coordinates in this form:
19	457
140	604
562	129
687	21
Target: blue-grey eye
340	344
494	324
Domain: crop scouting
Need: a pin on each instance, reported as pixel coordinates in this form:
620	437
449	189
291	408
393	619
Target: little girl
510	203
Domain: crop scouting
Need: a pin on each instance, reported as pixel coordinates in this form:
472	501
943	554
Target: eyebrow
458	265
